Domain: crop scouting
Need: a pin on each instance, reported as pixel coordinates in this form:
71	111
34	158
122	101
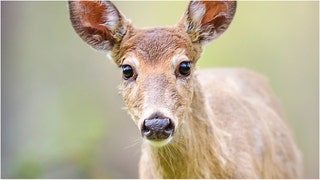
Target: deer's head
157	63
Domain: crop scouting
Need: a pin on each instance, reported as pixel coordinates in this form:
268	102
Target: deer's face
157	67
157	64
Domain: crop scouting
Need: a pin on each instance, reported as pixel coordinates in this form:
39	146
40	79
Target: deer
208	123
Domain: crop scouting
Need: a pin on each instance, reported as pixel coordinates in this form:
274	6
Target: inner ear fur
98	23
205	21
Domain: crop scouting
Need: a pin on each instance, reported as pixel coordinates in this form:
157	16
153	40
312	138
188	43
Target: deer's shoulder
237	88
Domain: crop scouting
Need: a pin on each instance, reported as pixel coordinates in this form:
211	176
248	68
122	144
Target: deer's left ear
204	21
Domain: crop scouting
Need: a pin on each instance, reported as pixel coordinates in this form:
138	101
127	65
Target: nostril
169	128
146	131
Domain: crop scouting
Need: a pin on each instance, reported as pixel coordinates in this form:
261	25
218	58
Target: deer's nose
157	128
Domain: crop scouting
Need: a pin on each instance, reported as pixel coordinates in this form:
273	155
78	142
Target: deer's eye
185	68
127	72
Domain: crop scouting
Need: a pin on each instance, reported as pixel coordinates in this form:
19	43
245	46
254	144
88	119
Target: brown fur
228	123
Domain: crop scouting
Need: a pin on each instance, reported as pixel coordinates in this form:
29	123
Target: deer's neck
195	151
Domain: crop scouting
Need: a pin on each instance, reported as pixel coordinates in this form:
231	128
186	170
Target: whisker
135	142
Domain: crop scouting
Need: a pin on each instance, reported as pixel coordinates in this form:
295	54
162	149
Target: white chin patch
159	143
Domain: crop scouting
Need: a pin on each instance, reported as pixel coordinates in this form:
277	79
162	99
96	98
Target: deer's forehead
157	45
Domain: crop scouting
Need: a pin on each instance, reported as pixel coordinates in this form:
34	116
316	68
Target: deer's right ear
98	23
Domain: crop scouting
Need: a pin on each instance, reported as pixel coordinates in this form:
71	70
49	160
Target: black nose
157	128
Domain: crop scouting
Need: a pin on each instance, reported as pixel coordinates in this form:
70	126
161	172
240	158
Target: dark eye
185	68
127	71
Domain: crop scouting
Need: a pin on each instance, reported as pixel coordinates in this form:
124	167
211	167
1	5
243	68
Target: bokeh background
61	114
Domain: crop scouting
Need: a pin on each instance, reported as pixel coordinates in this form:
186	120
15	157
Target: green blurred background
61	111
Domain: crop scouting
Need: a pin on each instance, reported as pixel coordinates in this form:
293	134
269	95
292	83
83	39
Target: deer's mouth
160	143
